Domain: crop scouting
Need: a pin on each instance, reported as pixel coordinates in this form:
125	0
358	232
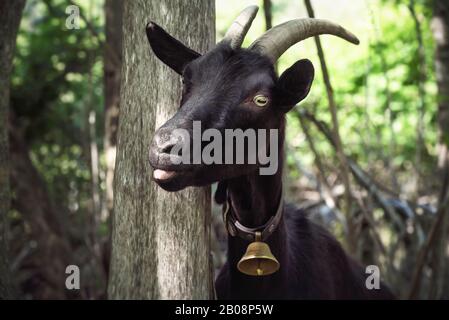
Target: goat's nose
163	147
164	141
166	147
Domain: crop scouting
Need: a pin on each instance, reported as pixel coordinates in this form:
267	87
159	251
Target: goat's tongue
162	174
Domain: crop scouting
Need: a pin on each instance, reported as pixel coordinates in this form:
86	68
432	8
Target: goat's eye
260	100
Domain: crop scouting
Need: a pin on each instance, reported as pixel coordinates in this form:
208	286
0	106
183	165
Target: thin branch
335	132
315	152
327	195
439	249
268	13
360	176
267	10
421	90
438	225
370	220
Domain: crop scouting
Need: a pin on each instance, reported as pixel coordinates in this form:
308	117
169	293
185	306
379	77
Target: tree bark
112	65
160	240
440	28
10	15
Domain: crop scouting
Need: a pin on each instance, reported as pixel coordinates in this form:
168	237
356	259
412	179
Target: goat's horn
237	31
277	40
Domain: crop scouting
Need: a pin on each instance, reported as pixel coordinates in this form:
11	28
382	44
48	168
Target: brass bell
258	259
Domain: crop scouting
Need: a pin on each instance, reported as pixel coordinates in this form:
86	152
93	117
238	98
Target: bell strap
235	228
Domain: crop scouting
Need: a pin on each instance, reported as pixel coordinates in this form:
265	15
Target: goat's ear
294	84
169	50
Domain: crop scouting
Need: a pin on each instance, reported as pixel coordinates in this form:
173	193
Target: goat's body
313	266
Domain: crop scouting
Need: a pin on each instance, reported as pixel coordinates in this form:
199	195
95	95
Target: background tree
10	14
50	220
267	11
112	65
440	28
160	240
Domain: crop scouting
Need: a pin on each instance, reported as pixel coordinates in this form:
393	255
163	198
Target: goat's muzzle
167	171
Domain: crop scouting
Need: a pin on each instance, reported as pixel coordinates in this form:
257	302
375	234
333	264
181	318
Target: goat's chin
180	184
171	187
177	180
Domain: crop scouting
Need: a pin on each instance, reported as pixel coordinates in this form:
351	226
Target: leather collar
235	228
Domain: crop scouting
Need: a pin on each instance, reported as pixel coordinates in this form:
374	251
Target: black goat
228	88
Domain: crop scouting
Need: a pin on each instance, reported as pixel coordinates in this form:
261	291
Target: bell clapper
259	269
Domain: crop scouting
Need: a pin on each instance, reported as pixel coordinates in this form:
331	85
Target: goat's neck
254	199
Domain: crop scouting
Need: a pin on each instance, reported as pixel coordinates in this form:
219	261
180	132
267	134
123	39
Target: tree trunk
10	14
440	28
160	240
112	65
53	252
